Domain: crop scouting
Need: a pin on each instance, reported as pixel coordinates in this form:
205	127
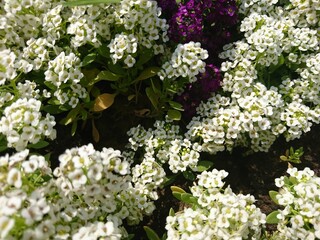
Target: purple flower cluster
210	22
207	82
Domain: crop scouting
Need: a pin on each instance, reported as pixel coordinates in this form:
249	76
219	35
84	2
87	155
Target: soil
248	174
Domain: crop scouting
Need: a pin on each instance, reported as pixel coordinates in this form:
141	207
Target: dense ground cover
136	118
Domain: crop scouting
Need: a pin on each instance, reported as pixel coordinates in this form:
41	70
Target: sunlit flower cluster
164	144
299	197
218	214
22	123
59	59
7	66
100	183
267	82
24	182
140	28
63	75
187	61
89	195
148	176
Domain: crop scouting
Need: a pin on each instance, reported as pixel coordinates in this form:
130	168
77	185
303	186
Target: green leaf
293	180
177	195
284	158
116	68
281	60
46	178
84	115
189	198
95	91
169	180
177	189
164	236
174	115
148	73
47	157
88	59
50	85
273	195
171	212
88	2
156	86
152	235
74	128
95	132
189	175
176	105
152	97
38	145
286	180
54	101
71	117
129	237
104	51
3	148
52	109
145	56
272	217
90	74
203	166
106	75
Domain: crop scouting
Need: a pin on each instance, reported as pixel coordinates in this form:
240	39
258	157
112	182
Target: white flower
220	215
78	178
129	61
13	204
186	61
31	214
14	178
95	172
6	224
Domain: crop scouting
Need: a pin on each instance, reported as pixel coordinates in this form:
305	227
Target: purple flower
206	21
168	7
210	22
186	24
207	83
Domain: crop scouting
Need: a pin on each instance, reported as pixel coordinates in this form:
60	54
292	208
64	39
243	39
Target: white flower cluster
148	176
303	12
164	144
88	196
271	82
21	21
142	28
22	123
142	16
7	66
100	182
299	195
186	61
218	214
37	53
86	22
306	87
123	44
22	196
63	74
98	230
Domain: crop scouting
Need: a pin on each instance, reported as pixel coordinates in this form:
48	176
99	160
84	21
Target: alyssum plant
63	61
